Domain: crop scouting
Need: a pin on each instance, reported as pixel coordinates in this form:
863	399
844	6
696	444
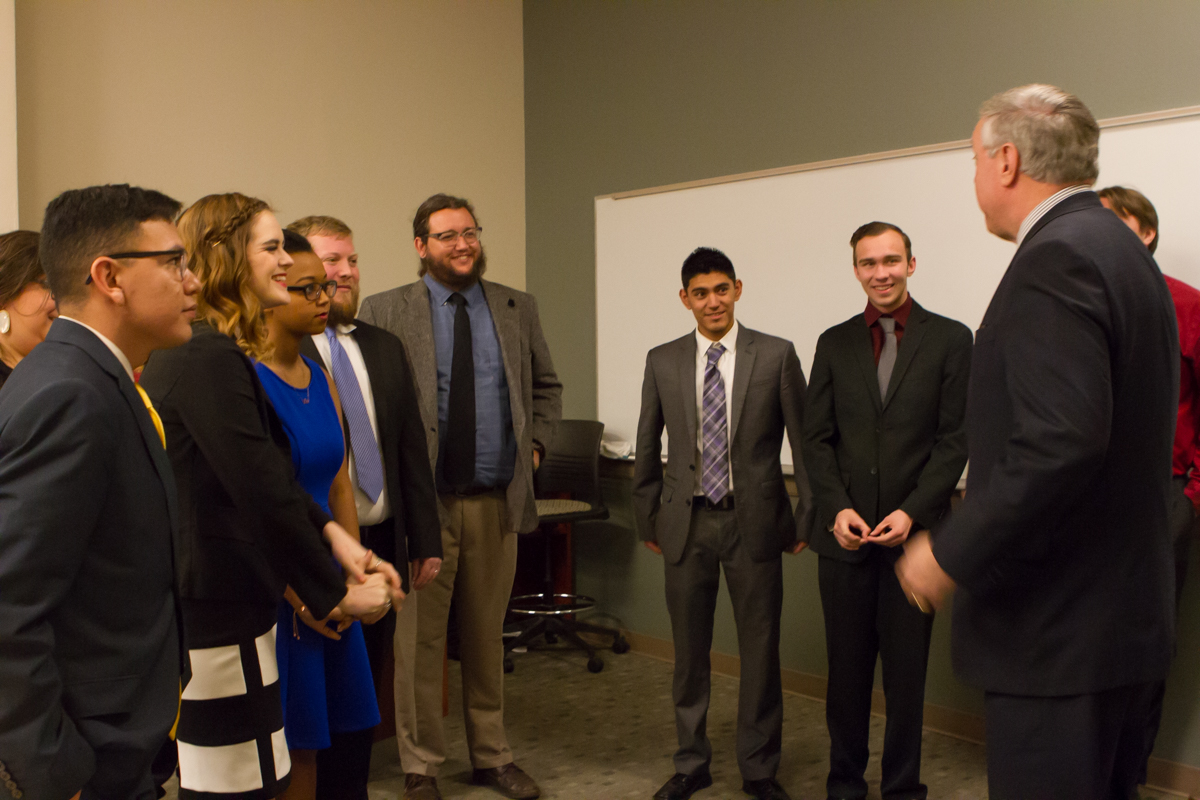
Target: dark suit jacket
247	528
1060	548
89	645
906	451
768	398
534	391
408	477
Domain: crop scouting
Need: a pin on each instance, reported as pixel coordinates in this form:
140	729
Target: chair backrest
572	463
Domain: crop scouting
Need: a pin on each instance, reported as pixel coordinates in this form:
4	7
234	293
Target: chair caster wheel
550	638
620	645
508	665
595	664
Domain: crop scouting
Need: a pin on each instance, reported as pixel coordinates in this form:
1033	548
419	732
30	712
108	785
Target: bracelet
295	624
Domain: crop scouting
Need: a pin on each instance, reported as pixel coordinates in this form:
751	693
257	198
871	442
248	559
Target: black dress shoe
681	786
765	789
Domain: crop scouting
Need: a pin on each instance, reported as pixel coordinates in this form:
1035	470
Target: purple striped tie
714	455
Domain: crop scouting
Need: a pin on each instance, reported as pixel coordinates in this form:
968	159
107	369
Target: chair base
553	626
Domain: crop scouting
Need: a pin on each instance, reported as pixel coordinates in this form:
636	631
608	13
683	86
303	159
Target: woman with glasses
328	694
247	529
26	305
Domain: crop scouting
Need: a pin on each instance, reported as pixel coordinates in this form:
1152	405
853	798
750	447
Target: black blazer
89	644
767	399
408	476
247	528
1061	548
904	452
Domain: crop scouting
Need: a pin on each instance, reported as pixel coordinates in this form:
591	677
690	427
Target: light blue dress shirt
495	444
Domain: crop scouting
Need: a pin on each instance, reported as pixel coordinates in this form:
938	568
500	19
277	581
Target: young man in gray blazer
489	400
725	394
885	445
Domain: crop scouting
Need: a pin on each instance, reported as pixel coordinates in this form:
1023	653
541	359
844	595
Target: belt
473	491
701	501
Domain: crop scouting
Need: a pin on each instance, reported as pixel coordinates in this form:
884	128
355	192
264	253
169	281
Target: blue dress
326	685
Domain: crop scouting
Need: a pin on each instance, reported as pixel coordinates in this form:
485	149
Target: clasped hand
852	531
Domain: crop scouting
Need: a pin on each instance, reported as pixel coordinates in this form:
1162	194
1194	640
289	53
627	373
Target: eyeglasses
178	258
314	290
470	236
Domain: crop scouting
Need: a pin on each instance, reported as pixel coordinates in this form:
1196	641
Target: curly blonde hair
216	234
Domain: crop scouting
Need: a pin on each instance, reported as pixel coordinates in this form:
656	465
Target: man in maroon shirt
1138	213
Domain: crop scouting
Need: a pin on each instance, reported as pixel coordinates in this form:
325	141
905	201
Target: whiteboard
788	237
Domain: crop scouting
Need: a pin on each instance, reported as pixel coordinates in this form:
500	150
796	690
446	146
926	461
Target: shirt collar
440	294
728	341
1043	208
116	351
345	329
872	314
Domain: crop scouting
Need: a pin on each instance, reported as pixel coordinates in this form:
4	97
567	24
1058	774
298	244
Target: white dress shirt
725	366
1042	208
368	513
116	351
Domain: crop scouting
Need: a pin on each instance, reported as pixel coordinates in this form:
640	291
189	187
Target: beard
447	276
343	312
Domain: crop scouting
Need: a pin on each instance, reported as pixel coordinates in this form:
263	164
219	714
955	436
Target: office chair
571	468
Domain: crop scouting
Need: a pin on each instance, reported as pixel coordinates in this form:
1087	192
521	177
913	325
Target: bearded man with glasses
490	401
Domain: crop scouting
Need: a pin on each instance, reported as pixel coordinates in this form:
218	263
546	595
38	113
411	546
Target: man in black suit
725	394
1061	551
89	644
398	516
884	445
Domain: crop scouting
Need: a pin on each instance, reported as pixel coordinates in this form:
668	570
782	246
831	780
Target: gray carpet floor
610	736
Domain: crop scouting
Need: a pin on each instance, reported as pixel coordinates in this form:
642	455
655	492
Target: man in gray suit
489	401
725	394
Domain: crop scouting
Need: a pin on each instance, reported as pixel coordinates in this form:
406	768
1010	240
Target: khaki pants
478	564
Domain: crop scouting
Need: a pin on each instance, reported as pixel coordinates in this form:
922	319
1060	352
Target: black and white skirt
230	736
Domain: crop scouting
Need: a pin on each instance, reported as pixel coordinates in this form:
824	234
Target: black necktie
458	462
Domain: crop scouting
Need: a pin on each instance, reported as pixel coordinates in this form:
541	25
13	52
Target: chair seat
554	507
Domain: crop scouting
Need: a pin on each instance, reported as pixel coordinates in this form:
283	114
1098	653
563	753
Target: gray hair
1057	137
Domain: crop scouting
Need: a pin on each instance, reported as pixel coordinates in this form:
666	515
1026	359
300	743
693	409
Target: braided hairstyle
216	234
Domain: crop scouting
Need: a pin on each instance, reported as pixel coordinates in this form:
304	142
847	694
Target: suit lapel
743	366
508	332
864	354
86	341
416	321
687	384
913	332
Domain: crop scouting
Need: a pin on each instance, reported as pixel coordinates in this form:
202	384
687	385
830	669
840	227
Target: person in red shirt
1136	211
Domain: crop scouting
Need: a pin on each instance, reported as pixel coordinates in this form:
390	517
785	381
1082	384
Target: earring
5	322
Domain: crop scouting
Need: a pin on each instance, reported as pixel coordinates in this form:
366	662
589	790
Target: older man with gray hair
1060	550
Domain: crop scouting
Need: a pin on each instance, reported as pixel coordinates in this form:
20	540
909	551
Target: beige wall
356	109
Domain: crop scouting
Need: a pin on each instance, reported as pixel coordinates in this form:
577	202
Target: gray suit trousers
756	589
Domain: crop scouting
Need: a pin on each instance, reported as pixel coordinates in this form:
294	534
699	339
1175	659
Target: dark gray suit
767	399
876	455
89	641
1064	612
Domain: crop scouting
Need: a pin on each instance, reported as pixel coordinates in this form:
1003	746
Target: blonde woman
26	306
247	529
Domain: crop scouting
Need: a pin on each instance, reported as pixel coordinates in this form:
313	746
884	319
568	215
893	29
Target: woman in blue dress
325	679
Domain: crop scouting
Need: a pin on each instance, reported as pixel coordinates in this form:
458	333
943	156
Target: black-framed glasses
178	258
314	290
470	236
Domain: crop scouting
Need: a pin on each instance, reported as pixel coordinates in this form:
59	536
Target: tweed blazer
534	391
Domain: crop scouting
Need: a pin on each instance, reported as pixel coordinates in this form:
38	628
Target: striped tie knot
714	354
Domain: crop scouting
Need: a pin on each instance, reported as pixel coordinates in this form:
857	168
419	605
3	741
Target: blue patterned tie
714	455
368	467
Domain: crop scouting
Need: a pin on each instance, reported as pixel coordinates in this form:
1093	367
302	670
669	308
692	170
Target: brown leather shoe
510	780
420	787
